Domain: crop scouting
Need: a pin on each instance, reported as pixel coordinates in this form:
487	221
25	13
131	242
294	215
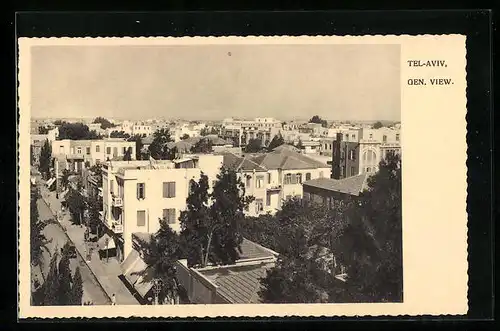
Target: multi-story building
37	141
137	194
362	154
73	155
274	177
242	131
142	129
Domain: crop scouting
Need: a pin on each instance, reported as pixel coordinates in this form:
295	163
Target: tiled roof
286	146
251	250
182	146
287	159
237	163
239	284
350	185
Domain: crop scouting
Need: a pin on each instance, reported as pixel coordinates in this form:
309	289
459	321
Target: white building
137	194
274	177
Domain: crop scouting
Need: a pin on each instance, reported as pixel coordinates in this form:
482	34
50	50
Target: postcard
242	176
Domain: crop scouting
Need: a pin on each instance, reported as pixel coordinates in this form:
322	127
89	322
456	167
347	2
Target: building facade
137	194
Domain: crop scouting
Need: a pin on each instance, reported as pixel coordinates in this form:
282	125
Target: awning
102	242
134	271
51	182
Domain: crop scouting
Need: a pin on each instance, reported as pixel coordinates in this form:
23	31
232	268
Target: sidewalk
106	272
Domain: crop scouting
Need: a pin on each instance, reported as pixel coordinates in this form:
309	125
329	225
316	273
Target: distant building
240	132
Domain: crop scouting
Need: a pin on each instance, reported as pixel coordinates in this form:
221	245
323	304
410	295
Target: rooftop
351	185
286	159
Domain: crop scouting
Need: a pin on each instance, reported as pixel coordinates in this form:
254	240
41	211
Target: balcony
274	188
75	156
117	202
117	227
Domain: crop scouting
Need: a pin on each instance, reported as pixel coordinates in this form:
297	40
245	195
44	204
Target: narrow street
91	289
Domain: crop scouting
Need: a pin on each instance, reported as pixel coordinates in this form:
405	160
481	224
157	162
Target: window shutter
165	191
138	191
172	190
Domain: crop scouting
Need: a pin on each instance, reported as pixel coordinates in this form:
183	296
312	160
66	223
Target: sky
211	82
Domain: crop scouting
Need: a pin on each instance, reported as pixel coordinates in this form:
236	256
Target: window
260	181
368	169
308	176
346	137
249	181
79	150
384	138
321	174
61	149
141	218
268	200
299	178
108	150
353	136
259	206
288	178
111	186
115	151
169	215
342	171
124	150
371	135
88	150
97	148
353	171
397	136
351	155
269	178
141	191
169	189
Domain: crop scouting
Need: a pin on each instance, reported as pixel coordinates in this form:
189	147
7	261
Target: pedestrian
113	300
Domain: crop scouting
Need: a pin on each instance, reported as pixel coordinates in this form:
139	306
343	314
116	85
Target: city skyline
340	82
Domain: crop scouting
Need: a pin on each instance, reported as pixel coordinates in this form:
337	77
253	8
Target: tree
184	136
96	170
128	155
45	159
105	124
38	241
158	148
76	206
378	125
253	146
295	281
161	254
212	232
226	212
379	218
318	120
195	221
76	293
94	205
277	141
51	284
202	146
138	146
43	130
64	278
119	134
65	178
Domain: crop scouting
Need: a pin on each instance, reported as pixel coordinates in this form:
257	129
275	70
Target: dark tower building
345	158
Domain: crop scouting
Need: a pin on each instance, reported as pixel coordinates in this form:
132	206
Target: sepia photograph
215	173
